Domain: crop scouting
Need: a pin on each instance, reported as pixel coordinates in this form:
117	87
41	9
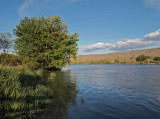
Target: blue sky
104	25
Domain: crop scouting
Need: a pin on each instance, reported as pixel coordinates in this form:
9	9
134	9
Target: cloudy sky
104	25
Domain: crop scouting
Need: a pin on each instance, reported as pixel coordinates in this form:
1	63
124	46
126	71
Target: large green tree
46	40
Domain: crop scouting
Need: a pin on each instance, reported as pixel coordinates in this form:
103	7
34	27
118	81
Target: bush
13	60
10	59
116	61
156	59
148	61
142	57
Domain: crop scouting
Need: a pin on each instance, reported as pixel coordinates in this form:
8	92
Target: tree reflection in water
64	94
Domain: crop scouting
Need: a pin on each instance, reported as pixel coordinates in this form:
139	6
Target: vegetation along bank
40	44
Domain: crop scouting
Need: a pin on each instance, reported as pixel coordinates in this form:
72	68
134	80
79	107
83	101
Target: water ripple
117	91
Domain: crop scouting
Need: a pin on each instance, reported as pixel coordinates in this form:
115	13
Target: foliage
46	40
116	61
142	57
10	59
156	59
22	92
13	60
5	41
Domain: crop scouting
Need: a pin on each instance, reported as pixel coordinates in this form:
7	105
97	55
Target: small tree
5	41
116	61
46	40
156	59
142	57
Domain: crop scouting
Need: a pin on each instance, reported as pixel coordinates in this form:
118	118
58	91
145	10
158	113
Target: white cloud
131	44
95	47
125	45
154	36
31	7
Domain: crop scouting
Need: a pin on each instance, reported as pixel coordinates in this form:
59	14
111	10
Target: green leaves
47	40
142	57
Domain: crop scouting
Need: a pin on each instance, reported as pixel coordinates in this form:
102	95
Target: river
102	92
114	92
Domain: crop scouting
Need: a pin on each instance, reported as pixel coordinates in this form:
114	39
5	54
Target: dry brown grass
130	55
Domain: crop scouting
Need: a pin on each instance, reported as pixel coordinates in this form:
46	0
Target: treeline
141	59
13	60
144	59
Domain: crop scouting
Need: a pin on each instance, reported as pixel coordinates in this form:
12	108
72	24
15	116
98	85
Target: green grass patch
23	92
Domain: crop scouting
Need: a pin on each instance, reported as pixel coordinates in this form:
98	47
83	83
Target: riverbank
147	62
144	56
23	92
32	93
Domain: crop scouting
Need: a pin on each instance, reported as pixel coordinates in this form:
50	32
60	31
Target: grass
27	93
23	92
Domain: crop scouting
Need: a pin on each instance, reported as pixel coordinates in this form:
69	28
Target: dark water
116	92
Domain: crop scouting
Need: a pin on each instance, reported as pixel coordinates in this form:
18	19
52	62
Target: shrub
156	59
10	59
148	61
116	61
13	60
142	57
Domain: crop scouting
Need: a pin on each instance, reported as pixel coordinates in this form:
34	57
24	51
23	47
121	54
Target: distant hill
119	55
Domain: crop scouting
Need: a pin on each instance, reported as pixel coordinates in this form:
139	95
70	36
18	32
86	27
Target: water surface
116	92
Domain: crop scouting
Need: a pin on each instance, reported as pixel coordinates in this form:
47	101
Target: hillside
119	55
